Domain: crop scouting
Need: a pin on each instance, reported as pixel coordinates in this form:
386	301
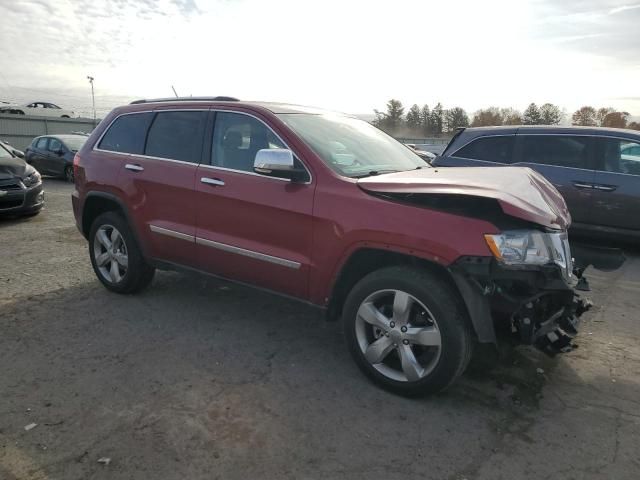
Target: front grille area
12	202
11	185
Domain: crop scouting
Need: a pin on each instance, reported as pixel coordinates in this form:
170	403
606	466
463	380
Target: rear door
251	227
162	150
616	193
38	156
567	161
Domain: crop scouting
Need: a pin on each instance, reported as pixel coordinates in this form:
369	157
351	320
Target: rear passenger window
491	149
560	150
127	133
618	156
177	136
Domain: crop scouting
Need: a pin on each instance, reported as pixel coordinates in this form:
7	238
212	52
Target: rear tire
408	330
115	255
68	174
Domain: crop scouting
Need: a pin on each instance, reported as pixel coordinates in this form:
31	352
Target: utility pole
93	100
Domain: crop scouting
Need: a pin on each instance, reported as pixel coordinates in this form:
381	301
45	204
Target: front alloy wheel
408	329
110	253
398	335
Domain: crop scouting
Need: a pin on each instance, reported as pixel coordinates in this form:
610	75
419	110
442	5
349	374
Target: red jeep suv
419	263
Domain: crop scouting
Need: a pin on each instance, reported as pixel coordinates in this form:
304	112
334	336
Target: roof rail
220	98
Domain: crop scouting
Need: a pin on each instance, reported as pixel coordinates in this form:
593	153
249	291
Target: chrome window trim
248	253
206	165
225	247
171	233
216	110
244	172
95	145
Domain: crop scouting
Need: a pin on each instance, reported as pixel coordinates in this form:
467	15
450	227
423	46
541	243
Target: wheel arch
97	203
366	260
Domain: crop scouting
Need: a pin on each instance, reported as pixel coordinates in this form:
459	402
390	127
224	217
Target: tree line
423	121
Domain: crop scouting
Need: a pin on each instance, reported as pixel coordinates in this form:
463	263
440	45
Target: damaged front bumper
535	305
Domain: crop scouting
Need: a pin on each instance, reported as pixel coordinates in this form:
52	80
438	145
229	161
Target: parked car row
21	190
420	263
597	170
42	109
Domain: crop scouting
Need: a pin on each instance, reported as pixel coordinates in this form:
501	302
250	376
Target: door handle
581	185
133	167
605	188
212	181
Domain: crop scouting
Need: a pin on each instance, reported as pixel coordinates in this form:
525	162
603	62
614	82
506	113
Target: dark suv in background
597	170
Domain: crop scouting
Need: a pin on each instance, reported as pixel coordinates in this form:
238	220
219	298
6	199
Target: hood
13	167
520	191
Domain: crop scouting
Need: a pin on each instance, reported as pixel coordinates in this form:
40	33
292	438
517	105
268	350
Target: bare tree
602	113
510	116
487	117
585	116
615	120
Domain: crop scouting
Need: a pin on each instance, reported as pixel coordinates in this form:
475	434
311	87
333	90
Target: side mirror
278	162
60	152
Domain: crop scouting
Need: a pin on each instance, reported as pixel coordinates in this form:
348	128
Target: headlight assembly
530	247
31	179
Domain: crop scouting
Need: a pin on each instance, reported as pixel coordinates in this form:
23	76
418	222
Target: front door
250	227
616	193
55	157
567	162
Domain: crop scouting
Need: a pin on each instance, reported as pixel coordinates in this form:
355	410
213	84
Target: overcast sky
345	55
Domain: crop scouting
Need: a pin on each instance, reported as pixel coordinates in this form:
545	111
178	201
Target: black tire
446	307
68	174
138	273
65	116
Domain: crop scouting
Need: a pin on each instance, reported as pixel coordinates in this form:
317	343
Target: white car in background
41	109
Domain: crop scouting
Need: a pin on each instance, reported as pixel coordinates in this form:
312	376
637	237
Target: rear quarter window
491	149
127	133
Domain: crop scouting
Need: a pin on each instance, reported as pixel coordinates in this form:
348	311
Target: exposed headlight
32	179
530	247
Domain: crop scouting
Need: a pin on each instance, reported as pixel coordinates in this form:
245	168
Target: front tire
115	255
407	330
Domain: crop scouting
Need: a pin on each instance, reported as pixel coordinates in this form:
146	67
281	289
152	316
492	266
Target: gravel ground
199	379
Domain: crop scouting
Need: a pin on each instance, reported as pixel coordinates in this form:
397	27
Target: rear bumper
536	306
22	202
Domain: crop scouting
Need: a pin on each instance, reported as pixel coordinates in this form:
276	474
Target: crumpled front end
537	305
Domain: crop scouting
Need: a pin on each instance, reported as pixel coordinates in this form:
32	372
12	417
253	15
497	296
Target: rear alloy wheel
115	255
68	174
110	253
407	330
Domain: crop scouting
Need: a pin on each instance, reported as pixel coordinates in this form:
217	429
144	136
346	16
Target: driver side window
54	145
237	138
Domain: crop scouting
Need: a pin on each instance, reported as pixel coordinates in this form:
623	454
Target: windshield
4	153
75	143
352	147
